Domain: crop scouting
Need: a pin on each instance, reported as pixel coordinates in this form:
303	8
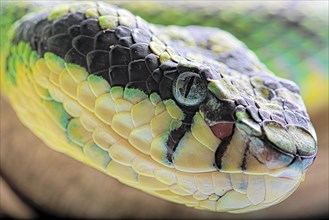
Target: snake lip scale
211	129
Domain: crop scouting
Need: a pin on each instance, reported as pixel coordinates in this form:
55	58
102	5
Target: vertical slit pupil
189	86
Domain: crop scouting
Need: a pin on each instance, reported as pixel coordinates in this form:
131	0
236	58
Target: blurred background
290	37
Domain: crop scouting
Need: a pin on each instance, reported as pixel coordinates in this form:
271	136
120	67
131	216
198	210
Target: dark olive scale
73	56
138	71
104	39
126	41
139	51
141	36
122	31
90	27
98	60
45	34
28	33
152	63
35	38
170	65
24	33
60	26
151	85
59	44
75	18
104	74
119	75
74	30
157	75
83	44
119	55
165	88
170	74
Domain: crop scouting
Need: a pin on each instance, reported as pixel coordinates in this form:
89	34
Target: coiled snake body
204	124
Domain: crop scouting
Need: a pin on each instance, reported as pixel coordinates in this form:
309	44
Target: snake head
260	119
213	134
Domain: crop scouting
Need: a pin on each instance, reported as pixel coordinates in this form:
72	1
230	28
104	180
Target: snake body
203	124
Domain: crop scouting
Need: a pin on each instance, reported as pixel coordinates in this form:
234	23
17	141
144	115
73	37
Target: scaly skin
189	115
290	37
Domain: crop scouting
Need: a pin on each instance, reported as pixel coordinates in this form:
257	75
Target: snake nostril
222	129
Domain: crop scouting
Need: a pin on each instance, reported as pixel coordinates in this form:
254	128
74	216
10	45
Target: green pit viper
187	114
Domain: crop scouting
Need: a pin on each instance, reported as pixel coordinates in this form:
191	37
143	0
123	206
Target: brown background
34	178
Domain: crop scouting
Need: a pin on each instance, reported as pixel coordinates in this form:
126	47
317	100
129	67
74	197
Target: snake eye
189	89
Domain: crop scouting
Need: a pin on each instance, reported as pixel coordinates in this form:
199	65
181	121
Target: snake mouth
278	161
255	152
274	136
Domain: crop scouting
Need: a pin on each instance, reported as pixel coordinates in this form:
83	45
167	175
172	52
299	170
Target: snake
186	114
